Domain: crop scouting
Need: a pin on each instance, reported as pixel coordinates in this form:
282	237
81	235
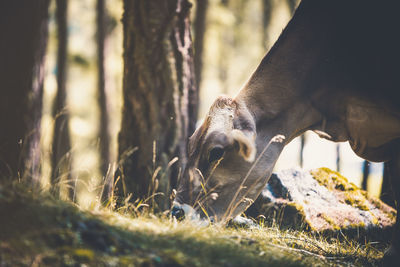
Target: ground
38	230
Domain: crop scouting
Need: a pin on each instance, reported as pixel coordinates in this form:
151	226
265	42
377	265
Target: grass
38	230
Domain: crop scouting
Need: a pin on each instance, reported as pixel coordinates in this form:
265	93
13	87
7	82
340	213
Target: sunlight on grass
63	233
263	243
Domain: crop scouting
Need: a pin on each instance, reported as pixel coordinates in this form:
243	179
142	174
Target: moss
292	216
379	204
375	220
353	196
330	221
357	200
334	181
83	255
298	207
360	224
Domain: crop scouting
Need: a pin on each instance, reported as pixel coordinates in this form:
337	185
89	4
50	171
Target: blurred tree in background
387	194
364	180
266	19
199	29
23	30
158	87
61	147
104	134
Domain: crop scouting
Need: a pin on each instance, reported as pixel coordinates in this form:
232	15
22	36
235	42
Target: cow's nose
178	213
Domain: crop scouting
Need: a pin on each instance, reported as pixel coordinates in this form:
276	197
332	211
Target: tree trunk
158	82
199	30
61	149
302	143
387	194
338	157
364	183
267	9
23	31
104	135
266	19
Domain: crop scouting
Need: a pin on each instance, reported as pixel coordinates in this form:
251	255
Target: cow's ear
245	143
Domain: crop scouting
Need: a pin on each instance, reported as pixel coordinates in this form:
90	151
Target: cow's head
221	152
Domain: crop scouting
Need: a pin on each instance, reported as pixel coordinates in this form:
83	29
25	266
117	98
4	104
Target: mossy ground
37	230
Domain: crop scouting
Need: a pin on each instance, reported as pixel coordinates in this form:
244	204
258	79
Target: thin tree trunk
158	81
338	157
61	148
364	183
199	30
225	44
267	9
23	31
266	19
387	194
104	135
302	143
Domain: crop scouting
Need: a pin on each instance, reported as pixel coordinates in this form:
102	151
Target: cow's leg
392	256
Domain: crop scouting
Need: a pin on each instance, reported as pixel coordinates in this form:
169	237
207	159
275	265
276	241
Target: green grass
37	230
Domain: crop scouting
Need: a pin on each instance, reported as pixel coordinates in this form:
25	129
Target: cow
335	70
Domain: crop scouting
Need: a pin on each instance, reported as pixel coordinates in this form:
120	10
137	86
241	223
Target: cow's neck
287	114
288	123
276	93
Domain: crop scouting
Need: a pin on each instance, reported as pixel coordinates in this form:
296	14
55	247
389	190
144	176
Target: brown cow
335	70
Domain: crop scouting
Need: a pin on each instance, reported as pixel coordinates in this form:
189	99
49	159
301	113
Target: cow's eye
215	154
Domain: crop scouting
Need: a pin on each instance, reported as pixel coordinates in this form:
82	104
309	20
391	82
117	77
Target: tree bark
157	86
104	136
23	31
61	148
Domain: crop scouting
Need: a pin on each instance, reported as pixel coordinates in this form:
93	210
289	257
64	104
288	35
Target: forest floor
38	230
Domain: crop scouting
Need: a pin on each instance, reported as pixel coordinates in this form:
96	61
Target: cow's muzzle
184	211
178	213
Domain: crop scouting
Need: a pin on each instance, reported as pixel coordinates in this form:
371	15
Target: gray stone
322	201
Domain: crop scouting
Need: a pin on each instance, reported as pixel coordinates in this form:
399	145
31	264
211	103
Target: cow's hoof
391	257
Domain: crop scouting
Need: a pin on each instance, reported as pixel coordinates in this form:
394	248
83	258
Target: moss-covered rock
322	201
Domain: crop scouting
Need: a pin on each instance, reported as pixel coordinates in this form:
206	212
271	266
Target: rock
242	222
322	201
